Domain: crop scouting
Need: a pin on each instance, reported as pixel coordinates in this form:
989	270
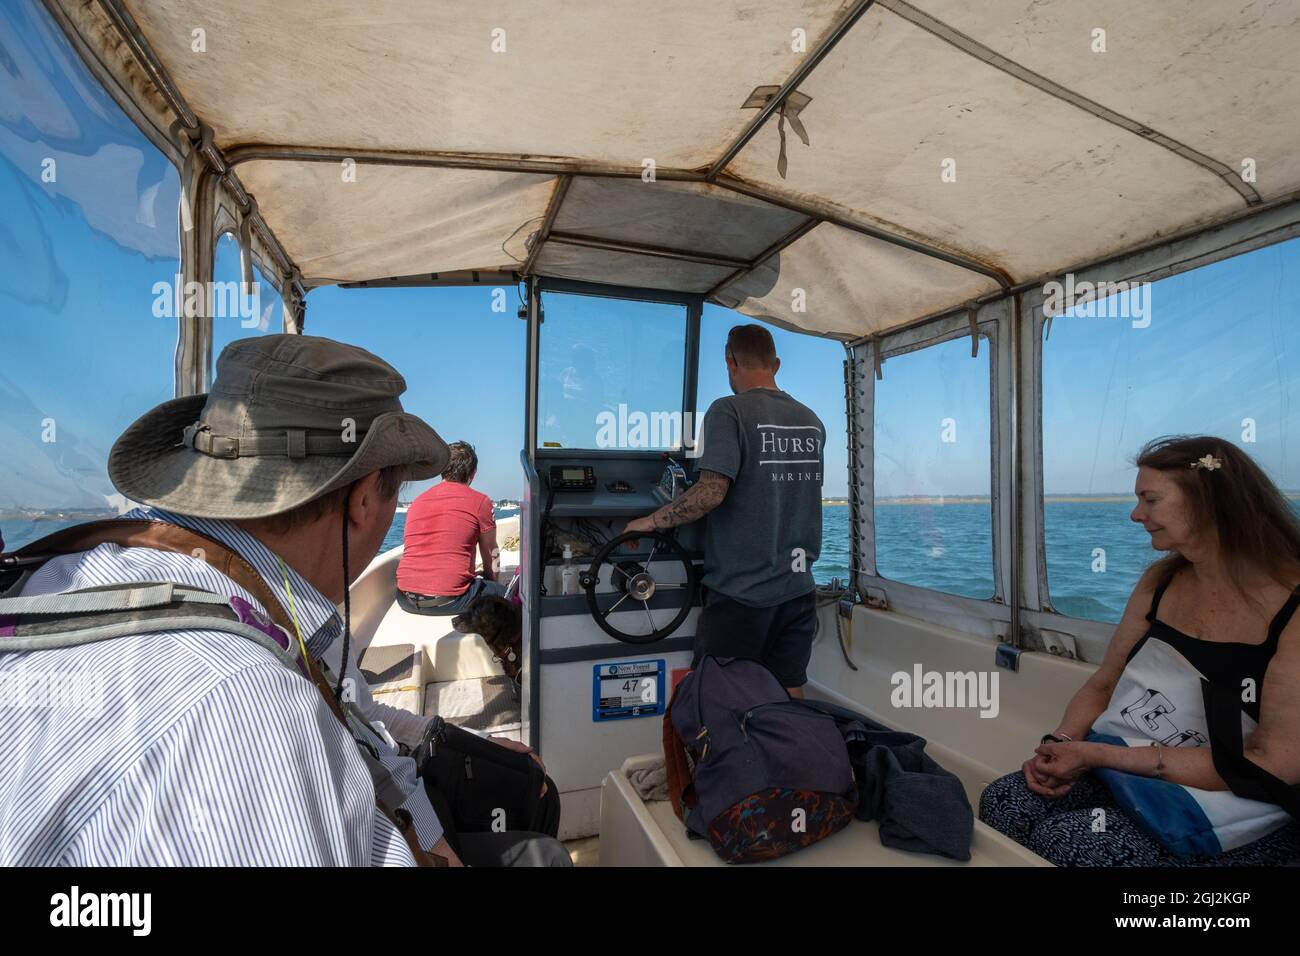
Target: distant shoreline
933	500
937	501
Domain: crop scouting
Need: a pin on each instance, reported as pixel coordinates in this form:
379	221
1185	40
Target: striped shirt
186	747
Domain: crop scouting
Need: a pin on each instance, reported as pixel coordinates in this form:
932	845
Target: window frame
694	305
988	616
937	334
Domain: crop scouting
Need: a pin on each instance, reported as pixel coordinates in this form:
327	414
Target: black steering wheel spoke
637	581
613	607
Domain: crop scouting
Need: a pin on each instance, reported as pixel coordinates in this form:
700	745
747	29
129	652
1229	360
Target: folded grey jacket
920	806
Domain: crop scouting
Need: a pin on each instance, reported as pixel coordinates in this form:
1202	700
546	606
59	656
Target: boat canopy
841	168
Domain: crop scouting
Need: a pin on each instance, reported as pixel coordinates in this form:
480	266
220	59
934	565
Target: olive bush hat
289	418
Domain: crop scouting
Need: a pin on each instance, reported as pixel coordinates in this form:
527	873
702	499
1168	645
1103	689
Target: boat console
604	643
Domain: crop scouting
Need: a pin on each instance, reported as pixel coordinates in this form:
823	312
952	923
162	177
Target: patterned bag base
771	823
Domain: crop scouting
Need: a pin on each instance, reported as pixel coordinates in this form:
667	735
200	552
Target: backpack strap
1243	776
90	600
677	766
161	536
73	618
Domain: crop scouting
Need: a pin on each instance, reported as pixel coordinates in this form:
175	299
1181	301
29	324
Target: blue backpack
753	771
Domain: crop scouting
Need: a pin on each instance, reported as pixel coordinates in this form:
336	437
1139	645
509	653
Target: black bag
920	806
769	774
477	786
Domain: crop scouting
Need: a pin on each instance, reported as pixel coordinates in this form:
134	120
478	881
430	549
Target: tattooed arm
693	504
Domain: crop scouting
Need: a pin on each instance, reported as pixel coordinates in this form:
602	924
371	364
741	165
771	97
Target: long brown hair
1255	525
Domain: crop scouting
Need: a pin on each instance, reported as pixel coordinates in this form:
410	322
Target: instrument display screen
573	478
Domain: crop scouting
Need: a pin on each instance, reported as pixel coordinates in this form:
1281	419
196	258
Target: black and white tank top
1222	663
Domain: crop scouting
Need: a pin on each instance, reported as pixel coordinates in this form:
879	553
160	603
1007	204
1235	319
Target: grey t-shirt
761	542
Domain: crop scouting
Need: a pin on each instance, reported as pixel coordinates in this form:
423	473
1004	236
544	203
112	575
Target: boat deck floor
485	704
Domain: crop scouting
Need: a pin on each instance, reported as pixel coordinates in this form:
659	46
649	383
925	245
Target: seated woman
1183	747
443	526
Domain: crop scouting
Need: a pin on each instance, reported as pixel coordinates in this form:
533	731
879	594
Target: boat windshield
611	373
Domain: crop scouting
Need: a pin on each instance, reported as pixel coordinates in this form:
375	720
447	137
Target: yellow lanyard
293	612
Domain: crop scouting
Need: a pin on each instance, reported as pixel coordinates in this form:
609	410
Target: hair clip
1209	463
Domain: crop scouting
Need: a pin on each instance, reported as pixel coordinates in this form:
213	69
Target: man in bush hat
197	746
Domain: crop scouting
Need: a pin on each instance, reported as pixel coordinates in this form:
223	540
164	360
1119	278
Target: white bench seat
634	832
977	750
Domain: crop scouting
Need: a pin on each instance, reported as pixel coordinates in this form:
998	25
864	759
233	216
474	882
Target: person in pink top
443	527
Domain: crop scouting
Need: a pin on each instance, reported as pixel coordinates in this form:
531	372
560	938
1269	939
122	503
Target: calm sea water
1095	555
950	548
833	563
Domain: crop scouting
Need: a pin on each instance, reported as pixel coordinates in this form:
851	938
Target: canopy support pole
1015	591
143	53
791	237
855	438
642	249
562	185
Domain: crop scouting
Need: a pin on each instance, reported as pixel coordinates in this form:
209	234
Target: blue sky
1221	349
464	366
83	349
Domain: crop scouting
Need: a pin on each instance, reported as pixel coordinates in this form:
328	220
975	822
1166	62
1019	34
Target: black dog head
490	616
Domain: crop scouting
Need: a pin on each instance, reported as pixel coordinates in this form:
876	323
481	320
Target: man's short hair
751	346
462	464
391	480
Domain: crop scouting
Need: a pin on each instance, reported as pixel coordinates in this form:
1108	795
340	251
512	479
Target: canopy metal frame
1259	223
224	162
815	209
1019	528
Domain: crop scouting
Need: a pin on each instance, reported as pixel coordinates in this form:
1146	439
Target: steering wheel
635	583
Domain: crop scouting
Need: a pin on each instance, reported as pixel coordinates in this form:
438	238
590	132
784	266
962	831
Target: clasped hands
1056	766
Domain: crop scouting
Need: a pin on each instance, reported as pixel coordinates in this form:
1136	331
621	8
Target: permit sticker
631	689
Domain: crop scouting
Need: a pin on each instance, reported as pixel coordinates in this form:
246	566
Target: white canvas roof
953	149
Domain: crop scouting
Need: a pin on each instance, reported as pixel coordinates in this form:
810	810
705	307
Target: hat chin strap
347	601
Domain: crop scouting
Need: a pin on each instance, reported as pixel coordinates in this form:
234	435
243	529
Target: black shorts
780	636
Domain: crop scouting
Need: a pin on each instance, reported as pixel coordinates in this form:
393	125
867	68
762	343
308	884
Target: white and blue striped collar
317	615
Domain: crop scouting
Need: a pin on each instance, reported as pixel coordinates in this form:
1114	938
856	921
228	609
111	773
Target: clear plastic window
611	373
238	313
1213	352
88	285
934	513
